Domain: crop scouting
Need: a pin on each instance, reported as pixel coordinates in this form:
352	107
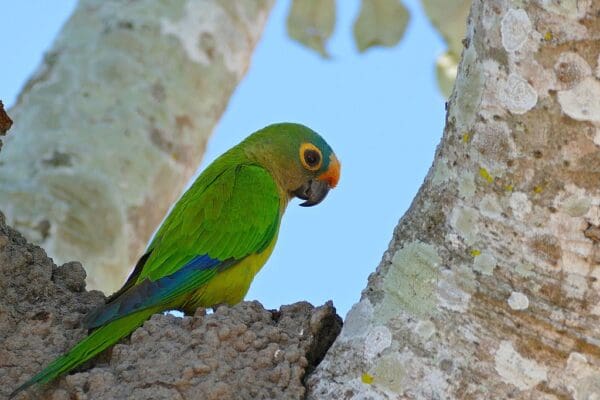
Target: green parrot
216	238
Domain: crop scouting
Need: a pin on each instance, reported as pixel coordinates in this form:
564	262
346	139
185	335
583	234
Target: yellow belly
230	285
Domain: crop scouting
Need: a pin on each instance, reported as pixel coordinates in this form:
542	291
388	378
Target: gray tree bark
489	288
115	122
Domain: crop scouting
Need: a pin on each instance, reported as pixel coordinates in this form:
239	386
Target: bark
115	122
243	352
489	288
5	122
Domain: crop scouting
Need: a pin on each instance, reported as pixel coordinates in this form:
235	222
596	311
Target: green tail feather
96	342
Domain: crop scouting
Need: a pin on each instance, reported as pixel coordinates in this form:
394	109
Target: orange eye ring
310	157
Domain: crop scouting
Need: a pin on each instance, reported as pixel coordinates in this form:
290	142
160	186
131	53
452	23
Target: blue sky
381	112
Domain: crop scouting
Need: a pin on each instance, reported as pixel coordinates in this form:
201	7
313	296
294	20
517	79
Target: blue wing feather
149	293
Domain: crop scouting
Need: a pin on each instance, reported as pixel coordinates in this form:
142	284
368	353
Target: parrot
215	239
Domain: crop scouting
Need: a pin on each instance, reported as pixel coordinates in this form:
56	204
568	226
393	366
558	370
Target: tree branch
115	121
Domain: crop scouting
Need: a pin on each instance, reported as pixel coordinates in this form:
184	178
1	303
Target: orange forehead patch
332	175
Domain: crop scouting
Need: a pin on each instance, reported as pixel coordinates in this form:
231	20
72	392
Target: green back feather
230	216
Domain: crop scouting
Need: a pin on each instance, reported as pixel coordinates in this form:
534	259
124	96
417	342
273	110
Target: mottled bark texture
490	289
243	352
115	121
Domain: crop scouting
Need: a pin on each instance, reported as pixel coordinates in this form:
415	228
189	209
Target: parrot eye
310	156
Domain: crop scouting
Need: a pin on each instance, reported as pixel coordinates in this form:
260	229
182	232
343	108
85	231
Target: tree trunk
489	289
115	122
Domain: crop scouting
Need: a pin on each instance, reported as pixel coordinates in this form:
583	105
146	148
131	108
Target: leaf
449	17
311	23
446	68
380	23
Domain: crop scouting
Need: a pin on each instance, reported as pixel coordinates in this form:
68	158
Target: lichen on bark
507	304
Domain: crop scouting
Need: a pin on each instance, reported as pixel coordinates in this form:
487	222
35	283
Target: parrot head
300	160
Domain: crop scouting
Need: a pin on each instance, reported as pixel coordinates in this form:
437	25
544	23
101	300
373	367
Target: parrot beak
315	190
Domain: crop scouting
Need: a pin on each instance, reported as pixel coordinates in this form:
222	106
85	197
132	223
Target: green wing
225	215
